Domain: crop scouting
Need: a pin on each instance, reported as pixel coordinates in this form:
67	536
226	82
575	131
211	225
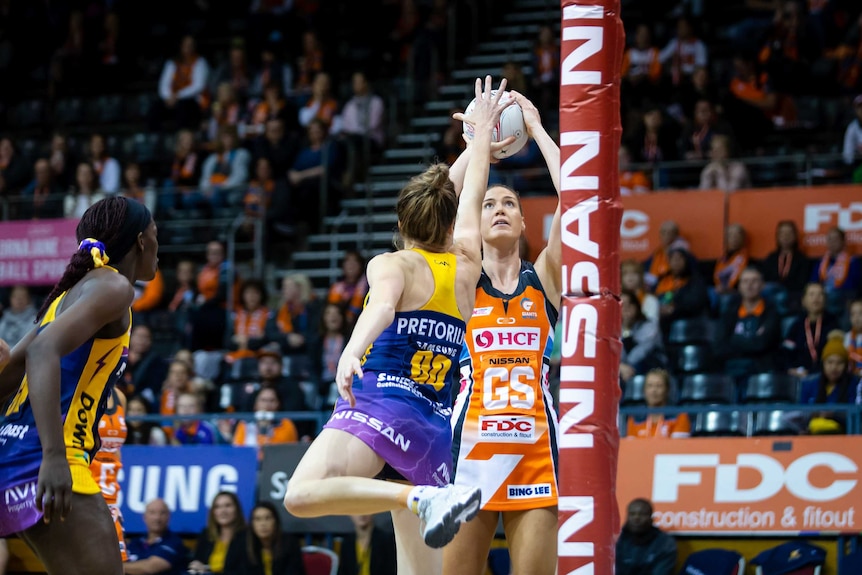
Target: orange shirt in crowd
665	426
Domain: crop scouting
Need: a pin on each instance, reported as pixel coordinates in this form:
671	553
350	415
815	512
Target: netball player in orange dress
108	462
505	431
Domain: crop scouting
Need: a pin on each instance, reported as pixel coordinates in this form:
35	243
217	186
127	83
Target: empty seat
776	422
105	109
720	424
319	560
633	392
145	148
138	106
689	331
708	389
786	324
714	562
692	358
69	111
772	388
27	114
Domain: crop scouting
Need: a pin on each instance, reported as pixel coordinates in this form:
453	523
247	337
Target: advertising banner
699	214
187	478
745	486
279	462
35	252
815	211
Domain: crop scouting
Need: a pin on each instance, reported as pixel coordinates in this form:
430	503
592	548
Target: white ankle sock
415	495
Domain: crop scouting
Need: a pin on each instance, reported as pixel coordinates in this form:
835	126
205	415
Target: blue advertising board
187	478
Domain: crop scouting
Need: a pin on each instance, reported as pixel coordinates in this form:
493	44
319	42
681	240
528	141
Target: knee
297	499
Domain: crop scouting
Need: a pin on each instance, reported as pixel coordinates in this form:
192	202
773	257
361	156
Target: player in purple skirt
396	372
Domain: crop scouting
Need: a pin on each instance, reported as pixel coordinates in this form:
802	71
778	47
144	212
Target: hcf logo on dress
500	338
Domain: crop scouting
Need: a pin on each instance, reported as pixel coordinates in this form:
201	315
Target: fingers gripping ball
511	124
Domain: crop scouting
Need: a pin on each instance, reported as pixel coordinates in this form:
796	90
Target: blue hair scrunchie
96	249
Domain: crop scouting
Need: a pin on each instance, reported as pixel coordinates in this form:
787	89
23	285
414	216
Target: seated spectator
753	107
276	145
325	351
181	295
224	520
160	551
107	168
835	384
632	182
270	371
234	71
62	161
681	292
142	432
641	339
641	73
298	314
657	394
247	331
322	105
316	170
273	106
546	68
14	172
684	53
185	174
656	266
653	139
696	139
787	266
838	270
735	259
852	149
789	48
749	335
178	382
183	89
368	549
263	548
265	430
149	296
223	172
265	197
19	318
83	194
134	189
42	198
722	172
804	341
363	124
853	337
146	369
270	70
224	111
642	547
209	316
192	431
632	279
349	292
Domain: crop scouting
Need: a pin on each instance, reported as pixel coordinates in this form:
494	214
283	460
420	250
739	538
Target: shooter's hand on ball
531	114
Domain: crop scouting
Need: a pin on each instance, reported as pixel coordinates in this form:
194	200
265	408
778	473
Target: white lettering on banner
27	248
848	219
743	518
15	270
634	224
587	144
279	484
48	268
668	476
580	241
580	42
180	486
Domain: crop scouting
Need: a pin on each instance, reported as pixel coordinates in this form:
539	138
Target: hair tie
96	249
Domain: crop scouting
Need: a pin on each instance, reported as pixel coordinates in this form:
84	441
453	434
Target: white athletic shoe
442	510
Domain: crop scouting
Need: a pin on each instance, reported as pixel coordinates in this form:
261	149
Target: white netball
511	124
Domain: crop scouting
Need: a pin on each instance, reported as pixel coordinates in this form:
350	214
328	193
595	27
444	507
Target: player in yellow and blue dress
61	375
396	372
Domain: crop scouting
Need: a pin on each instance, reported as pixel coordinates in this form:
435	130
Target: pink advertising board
35	252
